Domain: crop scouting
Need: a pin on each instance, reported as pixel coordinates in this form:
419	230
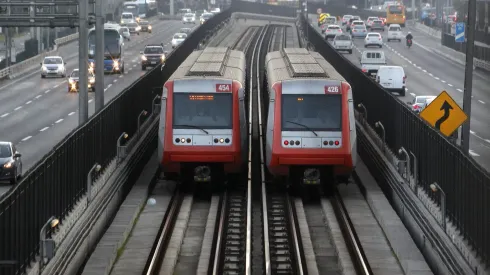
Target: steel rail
357	252
219	237
165	235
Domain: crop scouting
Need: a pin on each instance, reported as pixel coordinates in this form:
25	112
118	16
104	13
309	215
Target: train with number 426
311	131
203	128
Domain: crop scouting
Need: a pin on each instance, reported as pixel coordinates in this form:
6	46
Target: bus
113	49
395	14
144	8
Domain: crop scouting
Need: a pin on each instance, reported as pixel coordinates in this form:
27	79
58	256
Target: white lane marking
472	132
56	86
72	113
90	101
105	89
108	86
450	85
18	108
4	115
473	153
424	71
59	120
114	81
415	65
28	102
120	76
431	74
44	129
37	97
459	90
443	81
47	91
26	138
436	78
412	94
481	101
487	140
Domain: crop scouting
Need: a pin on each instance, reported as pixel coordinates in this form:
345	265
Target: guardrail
14	70
465	182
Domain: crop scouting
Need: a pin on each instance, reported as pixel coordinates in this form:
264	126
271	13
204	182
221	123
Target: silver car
419	102
10	162
53	66
189	18
177	39
358	31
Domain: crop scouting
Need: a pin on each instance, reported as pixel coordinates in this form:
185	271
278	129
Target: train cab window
206	111
311	112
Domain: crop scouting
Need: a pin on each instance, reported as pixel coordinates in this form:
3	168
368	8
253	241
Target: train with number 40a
311	131
203	129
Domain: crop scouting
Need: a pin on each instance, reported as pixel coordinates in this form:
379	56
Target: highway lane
430	74
44	121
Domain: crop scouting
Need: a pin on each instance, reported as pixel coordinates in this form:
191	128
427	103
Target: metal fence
55	184
481	52
466	183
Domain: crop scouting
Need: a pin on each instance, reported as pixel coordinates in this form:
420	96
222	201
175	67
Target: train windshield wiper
302	125
192	126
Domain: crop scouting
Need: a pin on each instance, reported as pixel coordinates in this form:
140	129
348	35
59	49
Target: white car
346	18
395	33
332	30
343	42
53	66
370	20
215	10
373	39
124	31
126	18
357	23
177	39
189	18
392	78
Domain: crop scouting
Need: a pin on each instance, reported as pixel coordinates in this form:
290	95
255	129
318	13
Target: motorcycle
409	43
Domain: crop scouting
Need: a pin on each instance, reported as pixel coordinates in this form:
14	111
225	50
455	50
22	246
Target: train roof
214	62
298	63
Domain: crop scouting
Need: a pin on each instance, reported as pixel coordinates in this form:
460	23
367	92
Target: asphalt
430	74
38	113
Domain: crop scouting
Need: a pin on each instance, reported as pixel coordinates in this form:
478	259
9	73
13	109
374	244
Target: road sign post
460	32
444	114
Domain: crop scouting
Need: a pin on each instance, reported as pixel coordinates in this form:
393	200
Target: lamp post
361	106
51	223
435	187
121	153
96	168
404	152
143	113
415	174
383	133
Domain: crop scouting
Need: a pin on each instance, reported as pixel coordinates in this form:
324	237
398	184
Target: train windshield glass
207	111
311	112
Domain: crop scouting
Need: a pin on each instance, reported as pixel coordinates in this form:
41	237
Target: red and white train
203	129
311	133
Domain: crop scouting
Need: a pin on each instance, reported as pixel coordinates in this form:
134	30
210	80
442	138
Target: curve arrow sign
446	107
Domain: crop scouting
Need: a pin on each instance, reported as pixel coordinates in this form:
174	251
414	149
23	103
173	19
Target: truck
371	60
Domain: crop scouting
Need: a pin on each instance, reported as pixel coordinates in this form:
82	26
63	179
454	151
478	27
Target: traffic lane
49	98
35	143
32	89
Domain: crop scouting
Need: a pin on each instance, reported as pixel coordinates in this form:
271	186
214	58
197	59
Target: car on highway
53	66
428	102
152	56
215	11
205	17
395	33
370	20
371	60
126	18
184	11
373	39
189	18
352	19
134	28
331	20
419	102
343	42
359	31
377	25
345	19
392	78
11	162
145	26
185	30
177	39
124	31
74	79
331	31
357	23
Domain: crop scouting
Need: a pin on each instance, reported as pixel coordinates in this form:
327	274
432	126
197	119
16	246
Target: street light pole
82	63
99	56
468	76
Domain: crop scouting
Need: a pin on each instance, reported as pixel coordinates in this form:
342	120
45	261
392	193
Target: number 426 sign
332	89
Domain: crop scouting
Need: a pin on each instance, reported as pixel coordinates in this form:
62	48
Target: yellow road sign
322	17
444	114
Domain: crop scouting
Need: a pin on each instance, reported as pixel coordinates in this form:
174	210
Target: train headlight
143	58
221	140
182	140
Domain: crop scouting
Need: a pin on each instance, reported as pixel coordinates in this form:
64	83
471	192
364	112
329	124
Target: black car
152	56
10	162
145	26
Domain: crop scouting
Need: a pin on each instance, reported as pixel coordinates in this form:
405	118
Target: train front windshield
311	112
202	110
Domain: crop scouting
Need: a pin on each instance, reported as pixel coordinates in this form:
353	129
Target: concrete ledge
238	15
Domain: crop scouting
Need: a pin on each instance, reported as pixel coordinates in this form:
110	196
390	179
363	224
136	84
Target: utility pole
99	56
82	63
8	46
413	12
39	40
468	76
172	7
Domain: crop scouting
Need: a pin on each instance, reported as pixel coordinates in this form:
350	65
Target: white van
392	78
371	61
395	33
126	18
